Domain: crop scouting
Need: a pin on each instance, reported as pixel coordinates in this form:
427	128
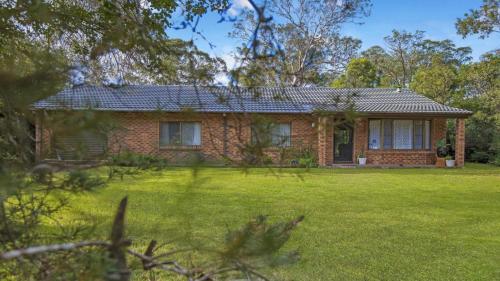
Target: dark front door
342	144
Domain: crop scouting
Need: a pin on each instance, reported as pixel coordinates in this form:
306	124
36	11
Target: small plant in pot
450	161
362	158
441	152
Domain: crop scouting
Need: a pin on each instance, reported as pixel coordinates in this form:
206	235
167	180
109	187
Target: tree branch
51	248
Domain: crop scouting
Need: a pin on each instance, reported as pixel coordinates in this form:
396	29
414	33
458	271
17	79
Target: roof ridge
243	87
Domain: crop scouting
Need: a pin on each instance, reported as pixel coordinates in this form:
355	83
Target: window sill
400	150
276	148
180	147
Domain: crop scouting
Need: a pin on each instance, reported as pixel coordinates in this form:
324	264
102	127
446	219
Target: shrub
42	173
442	148
79	180
141	161
304	157
480	156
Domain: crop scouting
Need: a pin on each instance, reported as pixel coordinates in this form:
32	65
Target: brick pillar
38	138
42	138
460	142
322	141
360	136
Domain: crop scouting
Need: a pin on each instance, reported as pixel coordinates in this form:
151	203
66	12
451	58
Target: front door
342	143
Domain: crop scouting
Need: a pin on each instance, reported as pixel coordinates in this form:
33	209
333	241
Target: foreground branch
51	248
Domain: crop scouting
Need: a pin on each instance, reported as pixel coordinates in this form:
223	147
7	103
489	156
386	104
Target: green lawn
361	224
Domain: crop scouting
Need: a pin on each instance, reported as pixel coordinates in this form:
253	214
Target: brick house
391	127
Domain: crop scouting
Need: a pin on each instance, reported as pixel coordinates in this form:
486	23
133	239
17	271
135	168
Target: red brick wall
140	134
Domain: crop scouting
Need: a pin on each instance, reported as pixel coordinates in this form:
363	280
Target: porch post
460	142
322	141
38	138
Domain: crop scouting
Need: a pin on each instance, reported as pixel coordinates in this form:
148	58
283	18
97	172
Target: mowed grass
360	224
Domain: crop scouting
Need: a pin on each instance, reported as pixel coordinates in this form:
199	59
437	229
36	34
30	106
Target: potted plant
362	158
441	152
450	162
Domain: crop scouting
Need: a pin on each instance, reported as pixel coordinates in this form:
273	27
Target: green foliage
360	73
80	180
258	239
42	174
480	89
483	21
442	148
407	52
403	48
446	50
304	156
141	161
480	156
362	154
438	81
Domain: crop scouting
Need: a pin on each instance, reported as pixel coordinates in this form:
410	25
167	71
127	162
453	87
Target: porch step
349	165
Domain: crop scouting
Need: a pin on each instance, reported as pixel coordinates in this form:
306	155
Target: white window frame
426	134
180	134
288	143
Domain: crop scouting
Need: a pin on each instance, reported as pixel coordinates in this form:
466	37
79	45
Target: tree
407	52
172	61
446	50
480	90
437	81
404	51
383	65
482	21
361	73
307	38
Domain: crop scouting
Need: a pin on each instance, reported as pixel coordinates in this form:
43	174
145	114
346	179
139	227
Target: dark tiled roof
258	100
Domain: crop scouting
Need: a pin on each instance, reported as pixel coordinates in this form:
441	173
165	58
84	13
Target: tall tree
404	51
448	52
407	52
307	34
361	73
383	64
480	88
437	81
483	21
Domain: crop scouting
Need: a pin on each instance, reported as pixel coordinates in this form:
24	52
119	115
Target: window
399	134
418	132
180	133
374	134
403	130
276	134
387	129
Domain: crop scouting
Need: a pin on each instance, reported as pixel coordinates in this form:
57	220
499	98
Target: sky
436	17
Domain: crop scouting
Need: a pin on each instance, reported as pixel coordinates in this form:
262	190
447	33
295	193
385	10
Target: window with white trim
374	142
180	133
399	134
273	134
